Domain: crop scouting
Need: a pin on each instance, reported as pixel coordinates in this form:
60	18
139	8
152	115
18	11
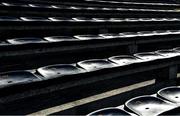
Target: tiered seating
164	102
130	42
58	70
87	9
63	74
114	3
56	52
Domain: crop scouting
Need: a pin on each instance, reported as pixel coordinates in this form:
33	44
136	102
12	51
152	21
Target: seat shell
17	77
171	94
95	64
124	60
59	70
148	105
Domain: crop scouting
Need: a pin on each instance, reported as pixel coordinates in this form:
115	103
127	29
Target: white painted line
93	98
178	75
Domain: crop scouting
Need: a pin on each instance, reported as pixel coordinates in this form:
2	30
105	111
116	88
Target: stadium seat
170	93
148	56
59	70
60	38
95	64
17	77
148	105
26	40
124	59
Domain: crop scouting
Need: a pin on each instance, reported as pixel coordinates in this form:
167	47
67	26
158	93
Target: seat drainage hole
147	108
176	97
58	73
9	81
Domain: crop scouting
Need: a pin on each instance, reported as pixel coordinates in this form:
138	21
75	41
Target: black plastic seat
16	77
60	38
101	19
88	37
107	8
144	10
135	2
7	18
148	56
117	19
168	53
77	8
92	8
3	43
148	105
174	31
145	33
60	19
15	4
161	32
110	35
83	19
159	19
126	9
124	60
95	64
60	7
34	19
133	9
26	40
177	19
109	112
171	94
132	19
40	6
59	70
172	19
177	49
145	19
129	34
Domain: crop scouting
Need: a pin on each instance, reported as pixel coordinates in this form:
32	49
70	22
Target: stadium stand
89	57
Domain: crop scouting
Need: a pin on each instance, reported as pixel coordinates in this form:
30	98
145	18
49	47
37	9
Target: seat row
30	40
80	25
136	3
91	65
165	102
85	19
58	47
78	7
